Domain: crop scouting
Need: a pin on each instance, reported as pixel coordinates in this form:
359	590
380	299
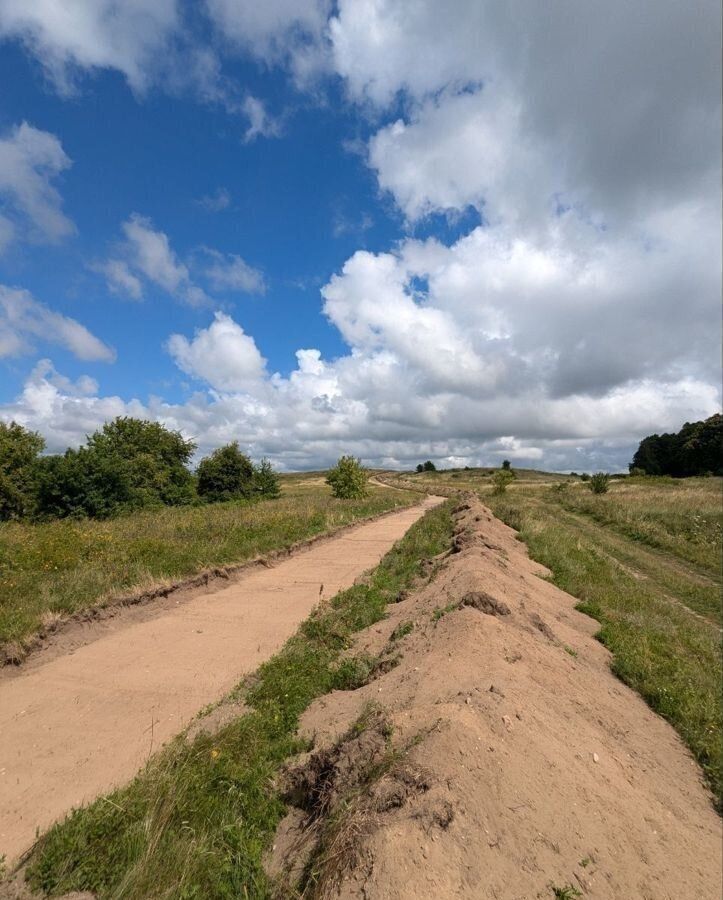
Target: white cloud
231	273
219	200
29	160
89	34
120	279
25	321
261	124
222	355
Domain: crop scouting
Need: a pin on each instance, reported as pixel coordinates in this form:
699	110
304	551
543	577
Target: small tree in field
266	480
500	480
506	465
420	467
599	483
348	479
429	466
227	474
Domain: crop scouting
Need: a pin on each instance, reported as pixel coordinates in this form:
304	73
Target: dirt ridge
498	758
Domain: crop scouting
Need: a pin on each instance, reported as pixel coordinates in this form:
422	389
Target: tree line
127	464
697	449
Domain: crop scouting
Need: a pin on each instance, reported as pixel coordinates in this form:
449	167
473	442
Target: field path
86	721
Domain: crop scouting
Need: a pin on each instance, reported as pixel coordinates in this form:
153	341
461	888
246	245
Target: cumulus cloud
68	37
261	124
29	161
221	355
24	322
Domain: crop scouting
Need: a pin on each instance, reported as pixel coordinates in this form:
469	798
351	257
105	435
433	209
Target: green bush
501	479
584	477
266	481
599	483
636	472
227	474
348	479
506	464
19	450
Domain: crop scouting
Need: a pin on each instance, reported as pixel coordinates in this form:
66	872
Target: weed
402	630
570	651
565	893
440	611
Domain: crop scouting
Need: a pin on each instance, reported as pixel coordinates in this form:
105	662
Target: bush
506	464
227	474
429	466
19	450
500	480
266	481
637	472
599	483
127	464
585	477
348	479
420	467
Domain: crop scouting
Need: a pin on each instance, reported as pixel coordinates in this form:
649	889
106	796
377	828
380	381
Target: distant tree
429	466
420	467
584	477
266	480
694	450
19	451
348	479
506	464
599	483
637	472
227	474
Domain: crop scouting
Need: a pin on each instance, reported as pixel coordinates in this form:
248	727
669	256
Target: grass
57	568
196	822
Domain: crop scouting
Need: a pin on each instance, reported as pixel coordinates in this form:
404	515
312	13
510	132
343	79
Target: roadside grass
54	569
668	654
196	822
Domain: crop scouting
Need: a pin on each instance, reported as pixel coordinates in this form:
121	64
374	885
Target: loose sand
525	765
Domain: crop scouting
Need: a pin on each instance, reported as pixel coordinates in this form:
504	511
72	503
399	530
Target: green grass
196	821
58	568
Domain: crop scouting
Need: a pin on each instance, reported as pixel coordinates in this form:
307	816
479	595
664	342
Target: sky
465	231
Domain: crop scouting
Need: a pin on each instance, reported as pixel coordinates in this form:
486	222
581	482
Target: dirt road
86	721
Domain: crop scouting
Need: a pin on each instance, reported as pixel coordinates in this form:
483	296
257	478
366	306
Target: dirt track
522	768
78	724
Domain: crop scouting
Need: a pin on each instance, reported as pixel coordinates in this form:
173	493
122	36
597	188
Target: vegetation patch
196	822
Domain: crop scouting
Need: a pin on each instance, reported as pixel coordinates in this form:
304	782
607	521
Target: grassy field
57	568
197	820
645	560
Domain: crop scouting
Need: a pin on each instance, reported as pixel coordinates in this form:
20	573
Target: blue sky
387	228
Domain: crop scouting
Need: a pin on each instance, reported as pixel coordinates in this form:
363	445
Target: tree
694	450
266	480
348	479
83	483
420	467
600	483
506	464
155	458
429	466
19	451
227	474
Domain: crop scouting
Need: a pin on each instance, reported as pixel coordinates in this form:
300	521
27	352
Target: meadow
53	569
645	560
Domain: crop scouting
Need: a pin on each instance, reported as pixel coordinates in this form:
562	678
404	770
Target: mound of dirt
499	758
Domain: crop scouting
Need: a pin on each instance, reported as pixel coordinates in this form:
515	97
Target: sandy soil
524	766
85	721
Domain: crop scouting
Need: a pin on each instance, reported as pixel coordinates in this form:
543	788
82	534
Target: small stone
508	722
595	758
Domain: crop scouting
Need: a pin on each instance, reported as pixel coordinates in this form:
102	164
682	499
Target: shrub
500	480
348	479
429	466
83	483
585	477
420	467
266	481
19	450
506	464
599	483
227	474
637	472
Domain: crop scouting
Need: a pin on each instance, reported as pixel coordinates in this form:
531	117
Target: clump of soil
496	765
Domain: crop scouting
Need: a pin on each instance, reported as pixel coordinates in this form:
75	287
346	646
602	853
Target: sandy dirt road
86	721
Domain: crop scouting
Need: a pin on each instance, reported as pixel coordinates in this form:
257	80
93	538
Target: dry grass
54	569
